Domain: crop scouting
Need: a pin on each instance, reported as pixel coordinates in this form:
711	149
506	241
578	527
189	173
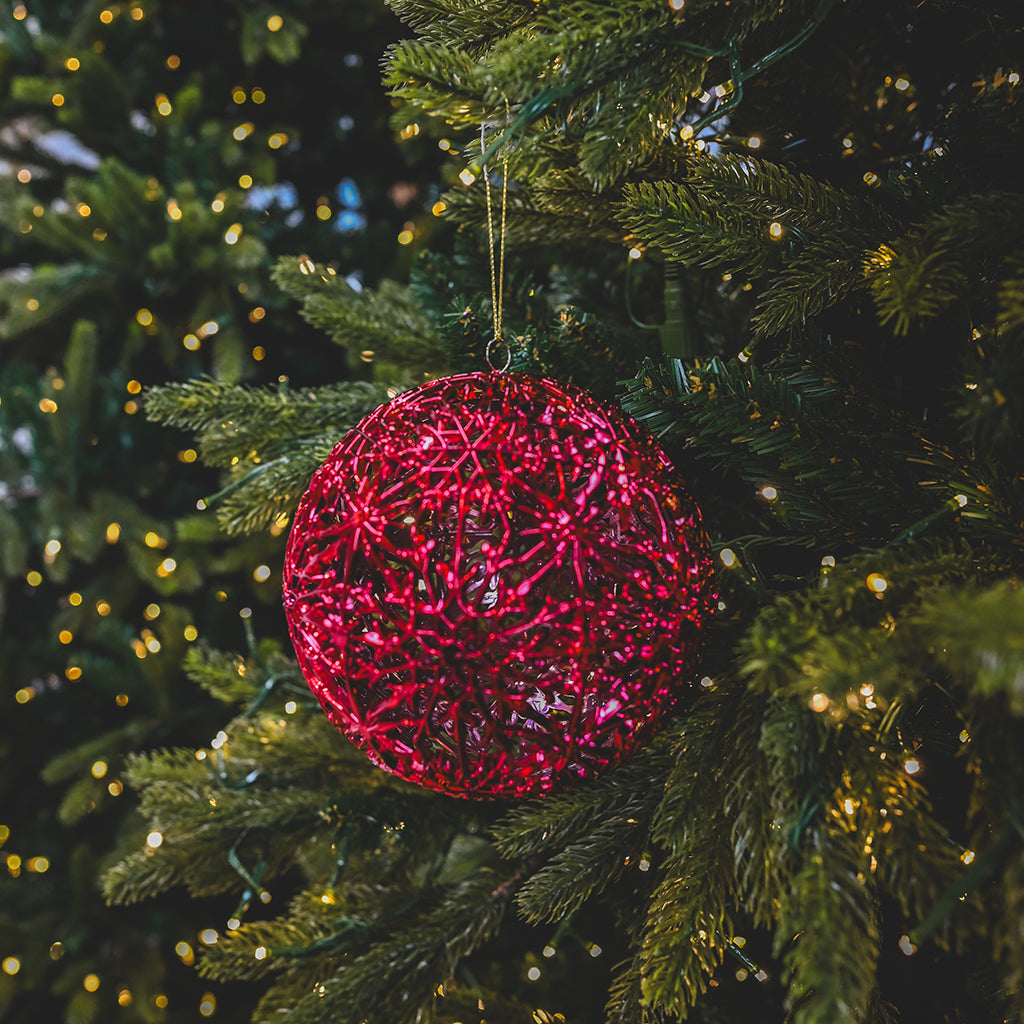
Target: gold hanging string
497	270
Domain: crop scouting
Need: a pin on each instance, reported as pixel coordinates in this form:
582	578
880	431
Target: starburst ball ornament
496	585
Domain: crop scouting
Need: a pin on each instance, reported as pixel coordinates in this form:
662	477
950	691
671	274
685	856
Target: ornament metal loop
489	354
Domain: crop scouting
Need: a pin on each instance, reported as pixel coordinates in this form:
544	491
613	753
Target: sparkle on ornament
495	585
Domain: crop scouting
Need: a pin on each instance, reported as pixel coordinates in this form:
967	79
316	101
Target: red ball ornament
495	585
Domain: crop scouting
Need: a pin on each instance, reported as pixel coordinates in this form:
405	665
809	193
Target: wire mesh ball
496	585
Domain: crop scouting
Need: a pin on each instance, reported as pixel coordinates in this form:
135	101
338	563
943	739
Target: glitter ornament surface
496	585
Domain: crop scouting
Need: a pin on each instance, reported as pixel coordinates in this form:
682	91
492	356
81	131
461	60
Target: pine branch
793	647
236	423
917	276
785	426
1011	300
818	276
273	439
677	220
626	998
760	797
976	634
394	982
616	78
1007	940
561	819
387	327
687	926
831	964
589	865
473	24
258	497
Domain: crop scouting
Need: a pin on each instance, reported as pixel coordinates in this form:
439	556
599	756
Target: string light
877	583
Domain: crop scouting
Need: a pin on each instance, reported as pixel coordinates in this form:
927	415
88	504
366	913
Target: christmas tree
154	161
785	237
